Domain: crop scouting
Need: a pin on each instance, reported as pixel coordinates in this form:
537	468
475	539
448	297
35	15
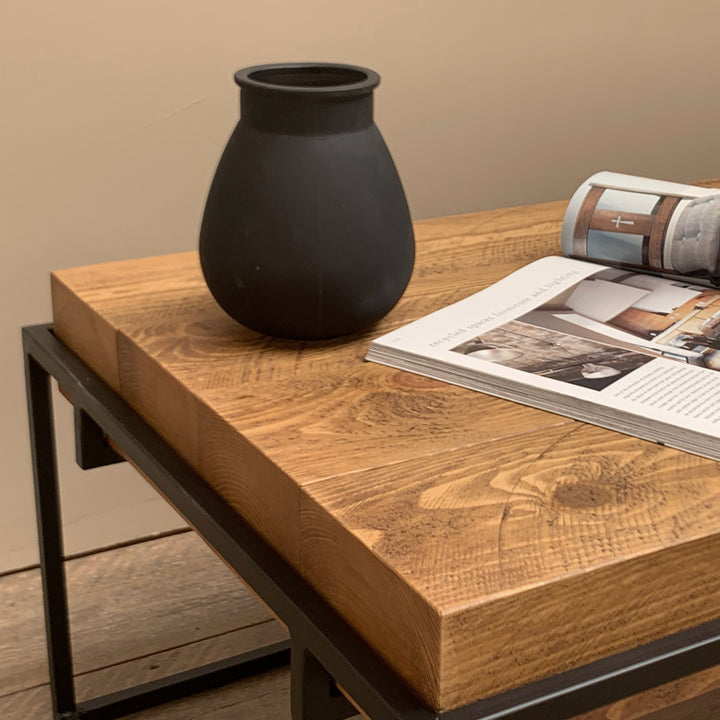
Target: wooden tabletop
477	544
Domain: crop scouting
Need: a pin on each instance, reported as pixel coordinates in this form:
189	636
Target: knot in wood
581	495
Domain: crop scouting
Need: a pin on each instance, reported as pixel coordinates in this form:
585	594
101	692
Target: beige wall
114	114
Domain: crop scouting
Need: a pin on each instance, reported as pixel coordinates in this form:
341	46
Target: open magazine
623	331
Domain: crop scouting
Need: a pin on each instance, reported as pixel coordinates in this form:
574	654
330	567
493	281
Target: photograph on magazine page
606	326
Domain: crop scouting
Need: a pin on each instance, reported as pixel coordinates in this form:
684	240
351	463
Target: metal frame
325	651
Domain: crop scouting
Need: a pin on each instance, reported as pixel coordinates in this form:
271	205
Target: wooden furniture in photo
651	226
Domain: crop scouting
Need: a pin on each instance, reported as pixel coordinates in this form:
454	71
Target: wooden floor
165	605
137	613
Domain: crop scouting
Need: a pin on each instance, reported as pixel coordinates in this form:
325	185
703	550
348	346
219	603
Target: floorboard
137	613
125	603
265	697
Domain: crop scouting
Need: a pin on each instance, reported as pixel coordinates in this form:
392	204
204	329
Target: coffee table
435	552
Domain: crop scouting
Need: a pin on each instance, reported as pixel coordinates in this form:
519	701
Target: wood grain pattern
656	241
139	613
265	697
143	589
537	543
476	543
583	220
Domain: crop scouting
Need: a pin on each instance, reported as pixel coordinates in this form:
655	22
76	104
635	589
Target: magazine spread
606	344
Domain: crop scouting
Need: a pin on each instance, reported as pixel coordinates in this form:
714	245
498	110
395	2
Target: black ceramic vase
306	232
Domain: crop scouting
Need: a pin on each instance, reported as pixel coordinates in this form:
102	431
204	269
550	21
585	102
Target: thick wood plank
476	544
361	418
499	561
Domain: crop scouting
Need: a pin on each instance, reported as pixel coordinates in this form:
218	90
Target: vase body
306	231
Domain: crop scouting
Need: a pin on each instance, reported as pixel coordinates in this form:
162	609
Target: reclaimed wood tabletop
477	544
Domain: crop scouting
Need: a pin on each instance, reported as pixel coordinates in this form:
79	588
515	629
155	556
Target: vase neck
307	98
305	114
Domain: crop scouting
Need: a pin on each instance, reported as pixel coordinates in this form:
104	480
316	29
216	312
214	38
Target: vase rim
309	78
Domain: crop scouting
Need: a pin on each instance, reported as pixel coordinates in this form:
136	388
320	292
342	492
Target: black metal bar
604	681
91	446
183	684
314	694
320	631
49	525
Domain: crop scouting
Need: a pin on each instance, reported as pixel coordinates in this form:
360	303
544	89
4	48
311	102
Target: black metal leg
91	446
313	692
47	505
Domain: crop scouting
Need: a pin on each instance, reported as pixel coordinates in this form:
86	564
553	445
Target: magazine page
646	225
597	343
